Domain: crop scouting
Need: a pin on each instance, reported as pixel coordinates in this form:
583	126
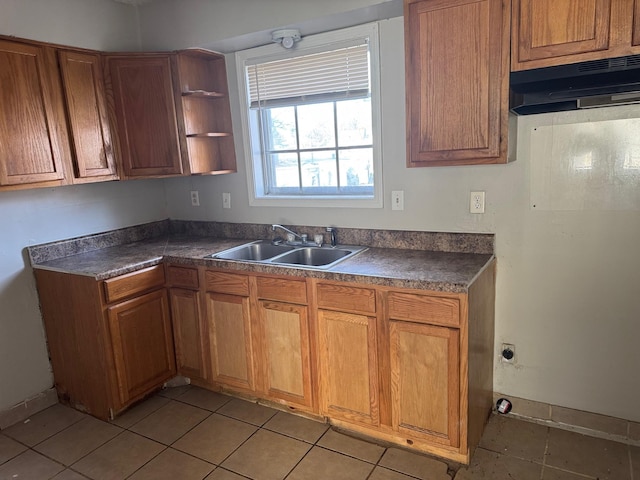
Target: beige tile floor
189	433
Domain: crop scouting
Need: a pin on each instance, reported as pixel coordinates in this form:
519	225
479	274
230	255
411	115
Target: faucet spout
303	238
334	237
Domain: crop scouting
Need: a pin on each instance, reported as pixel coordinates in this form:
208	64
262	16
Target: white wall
41	215
567	280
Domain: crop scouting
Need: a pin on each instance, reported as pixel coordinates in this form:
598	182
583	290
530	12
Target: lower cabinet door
189	334
286	366
348	367
229	325
425	381
142	344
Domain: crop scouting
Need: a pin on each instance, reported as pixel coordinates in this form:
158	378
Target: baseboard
27	408
587	423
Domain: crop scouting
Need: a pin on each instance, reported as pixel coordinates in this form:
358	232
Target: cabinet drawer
133	283
290	291
345	297
229	283
182	277
424	309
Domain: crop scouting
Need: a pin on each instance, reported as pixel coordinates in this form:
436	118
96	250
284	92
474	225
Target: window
310	117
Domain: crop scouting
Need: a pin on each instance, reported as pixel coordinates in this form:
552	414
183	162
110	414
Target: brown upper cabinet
144	93
206	112
84	90
556	32
457	81
33	136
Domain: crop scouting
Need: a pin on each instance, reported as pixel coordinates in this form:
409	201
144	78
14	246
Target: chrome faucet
334	239
303	237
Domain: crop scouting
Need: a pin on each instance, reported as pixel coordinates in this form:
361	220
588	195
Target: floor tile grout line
544	455
122	430
630	462
84	415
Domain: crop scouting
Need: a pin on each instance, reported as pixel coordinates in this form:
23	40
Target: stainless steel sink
305	256
254	252
313	256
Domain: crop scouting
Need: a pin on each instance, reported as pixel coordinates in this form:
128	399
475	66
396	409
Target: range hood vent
598	83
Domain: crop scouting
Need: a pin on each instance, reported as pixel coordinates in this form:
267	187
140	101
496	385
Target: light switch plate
397	200
226	200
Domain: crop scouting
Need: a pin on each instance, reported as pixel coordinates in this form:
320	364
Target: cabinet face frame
38	153
122	346
84	88
635	41
452	120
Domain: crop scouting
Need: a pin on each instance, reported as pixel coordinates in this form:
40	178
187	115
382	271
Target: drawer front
284	290
182	277
133	283
229	283
345	297
424	309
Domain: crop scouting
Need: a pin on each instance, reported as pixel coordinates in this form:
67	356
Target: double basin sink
303	255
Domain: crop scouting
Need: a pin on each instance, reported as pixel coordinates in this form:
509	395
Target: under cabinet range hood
597	83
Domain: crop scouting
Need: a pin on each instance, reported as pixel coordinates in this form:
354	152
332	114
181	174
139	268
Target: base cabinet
425	386
284	353
110	342
348	366
229	325
142	343
189	328
230	330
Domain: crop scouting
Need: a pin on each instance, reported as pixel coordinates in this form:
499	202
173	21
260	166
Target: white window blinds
325	76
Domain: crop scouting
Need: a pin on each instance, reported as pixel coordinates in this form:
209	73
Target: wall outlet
508	353
226	200
476	202
195	198
397	200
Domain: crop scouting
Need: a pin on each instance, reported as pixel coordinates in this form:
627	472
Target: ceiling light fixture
286	37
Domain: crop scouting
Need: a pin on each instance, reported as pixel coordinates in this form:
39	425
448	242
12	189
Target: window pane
281	128
285	169
316	125
354	122
356	167
319	169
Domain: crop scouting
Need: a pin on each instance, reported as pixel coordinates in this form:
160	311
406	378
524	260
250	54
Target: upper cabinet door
33	136
557	28
145	110
83	85
457	81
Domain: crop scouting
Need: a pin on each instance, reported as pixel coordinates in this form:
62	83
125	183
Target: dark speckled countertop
422	260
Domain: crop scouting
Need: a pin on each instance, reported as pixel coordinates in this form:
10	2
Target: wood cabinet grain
348	358
142	344
85	99
144	106
457	81
106	354
550	32
33	133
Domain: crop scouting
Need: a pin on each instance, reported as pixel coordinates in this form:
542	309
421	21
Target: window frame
252	143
